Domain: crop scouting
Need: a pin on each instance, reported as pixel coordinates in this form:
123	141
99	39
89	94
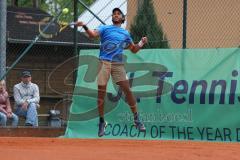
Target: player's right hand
79	23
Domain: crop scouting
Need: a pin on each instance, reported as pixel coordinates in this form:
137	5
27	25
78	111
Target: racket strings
53	29
63	25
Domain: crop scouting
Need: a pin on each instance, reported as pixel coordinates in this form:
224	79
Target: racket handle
72	23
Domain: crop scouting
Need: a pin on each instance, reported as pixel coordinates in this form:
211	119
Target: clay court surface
101	149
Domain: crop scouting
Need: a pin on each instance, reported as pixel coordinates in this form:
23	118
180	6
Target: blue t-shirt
113	41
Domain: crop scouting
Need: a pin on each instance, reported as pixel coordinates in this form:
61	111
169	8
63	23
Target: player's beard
116	22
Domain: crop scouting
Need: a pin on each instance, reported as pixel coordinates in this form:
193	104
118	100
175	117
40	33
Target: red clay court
19	148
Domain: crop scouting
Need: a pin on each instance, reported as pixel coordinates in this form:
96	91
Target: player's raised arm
134	48
91	33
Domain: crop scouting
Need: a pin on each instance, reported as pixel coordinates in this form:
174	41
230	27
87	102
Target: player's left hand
144	40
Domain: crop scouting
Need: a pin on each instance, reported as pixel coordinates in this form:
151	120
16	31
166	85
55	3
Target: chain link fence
210	24
52	61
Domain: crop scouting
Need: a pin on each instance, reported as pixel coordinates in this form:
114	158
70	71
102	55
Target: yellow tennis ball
65	10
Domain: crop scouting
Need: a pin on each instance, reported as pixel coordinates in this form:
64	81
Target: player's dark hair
118	9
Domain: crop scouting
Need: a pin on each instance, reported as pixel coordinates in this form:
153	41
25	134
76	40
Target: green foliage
23	3
145	24
58	5
53	7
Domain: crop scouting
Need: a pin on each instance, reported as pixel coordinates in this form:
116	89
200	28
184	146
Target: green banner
190	94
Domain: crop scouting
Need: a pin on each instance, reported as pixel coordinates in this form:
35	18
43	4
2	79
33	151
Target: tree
145	24
34	3
53	7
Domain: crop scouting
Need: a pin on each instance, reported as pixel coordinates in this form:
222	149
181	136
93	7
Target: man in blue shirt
114	40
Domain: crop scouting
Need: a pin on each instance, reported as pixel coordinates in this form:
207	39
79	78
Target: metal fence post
3	15
184	33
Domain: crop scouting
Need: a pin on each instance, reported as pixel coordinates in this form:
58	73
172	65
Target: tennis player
114	40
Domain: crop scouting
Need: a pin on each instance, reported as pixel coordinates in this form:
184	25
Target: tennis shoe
138	124
101	128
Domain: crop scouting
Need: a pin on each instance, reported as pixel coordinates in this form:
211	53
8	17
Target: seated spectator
5	107
26	95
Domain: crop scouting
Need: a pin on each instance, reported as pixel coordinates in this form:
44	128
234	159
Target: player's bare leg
102	123
124	85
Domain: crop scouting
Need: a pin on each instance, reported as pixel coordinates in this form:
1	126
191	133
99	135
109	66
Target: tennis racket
53	29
